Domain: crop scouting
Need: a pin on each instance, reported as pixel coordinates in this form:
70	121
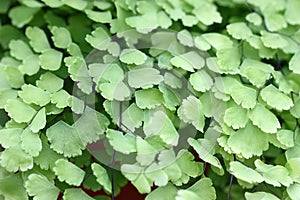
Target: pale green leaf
236	117
53	3
21	15
254	18
51	59
291	12
14	77
273	40
31	94
91	125
101	17
14	159
229	59
162	126
133	56
145	152
171	97
188	61
10	137
115	91
38	39
78	4
244	96
50	82
204	189
192	110
276	98
217	40
275	175
201	43
294	191
189	20
201	81
99	38
148	98
5	95
19	49
239	30
19	111
132	117
31	143
207	13
144	77
264	119
60	99
185	38
167	192
64	139
102	176
256	72
239	141
68	172
123	143
76	194
294	63
172	80
12	186
61	37
260	196
41	188
30	65
285	137
244	173
274	20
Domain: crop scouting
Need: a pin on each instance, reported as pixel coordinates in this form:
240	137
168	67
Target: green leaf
236	117
285	137
162	126
240	140
61	37
132	117
103	73
254	18
171	97
19	111
31	94
185	38
30	65
144	77
101	17
123	143
50	82
293	63
217	40
64	139
91	125
10	137
14	159
41	188
201	81
5	95
47	157
145	152
167	192
185	161
201	43
148	98
102	176
22	15
38	39
244	173
244	96
264	119
207	13
51	59
260	196
294	191
203	189
79	4
12	186
275	98
189	20
115	91
239	30
76	194
275	175
188	61
19	49
273	40
291	12
192	110
53	3
99	38
31	143
229	59
68	172
14	76
60	98
133	56
256	72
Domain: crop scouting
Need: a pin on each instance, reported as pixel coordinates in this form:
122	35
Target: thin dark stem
112	171
230	186
128	129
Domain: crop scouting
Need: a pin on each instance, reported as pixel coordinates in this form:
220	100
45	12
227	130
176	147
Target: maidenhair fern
185	99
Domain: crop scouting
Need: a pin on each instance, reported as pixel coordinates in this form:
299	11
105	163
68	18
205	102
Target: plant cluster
186	99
